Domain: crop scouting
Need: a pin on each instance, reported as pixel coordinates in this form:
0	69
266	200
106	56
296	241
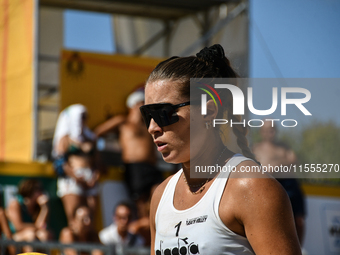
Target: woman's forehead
163	91
82	211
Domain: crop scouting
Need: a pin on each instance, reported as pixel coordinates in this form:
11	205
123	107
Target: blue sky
88	31
297	39
292	38
288	39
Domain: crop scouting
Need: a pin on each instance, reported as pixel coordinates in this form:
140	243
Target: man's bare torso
136	142
269	153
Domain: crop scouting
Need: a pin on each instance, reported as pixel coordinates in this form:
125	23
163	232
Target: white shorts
67	186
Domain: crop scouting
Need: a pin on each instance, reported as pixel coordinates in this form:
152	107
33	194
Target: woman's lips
161	146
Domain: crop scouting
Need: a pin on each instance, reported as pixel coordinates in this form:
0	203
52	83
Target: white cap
134	98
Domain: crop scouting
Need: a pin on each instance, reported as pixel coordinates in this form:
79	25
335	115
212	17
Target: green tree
318	143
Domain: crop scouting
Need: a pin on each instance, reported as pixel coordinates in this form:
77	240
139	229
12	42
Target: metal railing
56	248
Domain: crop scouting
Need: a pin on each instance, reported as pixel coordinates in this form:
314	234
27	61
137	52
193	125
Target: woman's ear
212	110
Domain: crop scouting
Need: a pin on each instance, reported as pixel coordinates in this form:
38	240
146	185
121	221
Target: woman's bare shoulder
14	205
253	190
261	205
157	195
249	181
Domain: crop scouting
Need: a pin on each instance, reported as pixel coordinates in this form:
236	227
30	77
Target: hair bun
211	54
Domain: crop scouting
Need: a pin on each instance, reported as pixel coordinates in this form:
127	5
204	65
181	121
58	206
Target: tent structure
159	9
153	28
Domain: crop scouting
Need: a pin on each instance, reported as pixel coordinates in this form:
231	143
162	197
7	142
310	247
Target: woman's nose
153	127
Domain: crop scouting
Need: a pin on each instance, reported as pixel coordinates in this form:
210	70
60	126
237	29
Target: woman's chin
169	158
166	157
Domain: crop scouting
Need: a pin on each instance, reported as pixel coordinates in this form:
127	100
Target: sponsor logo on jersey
200	219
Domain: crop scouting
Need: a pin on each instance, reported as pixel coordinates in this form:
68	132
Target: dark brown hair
28	187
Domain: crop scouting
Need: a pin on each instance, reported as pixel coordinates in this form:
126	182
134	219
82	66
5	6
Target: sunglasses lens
146	116
163	114
167	117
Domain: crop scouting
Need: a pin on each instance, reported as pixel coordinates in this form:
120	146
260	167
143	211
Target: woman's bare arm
263	208
14	215
41	221
67	237
4	228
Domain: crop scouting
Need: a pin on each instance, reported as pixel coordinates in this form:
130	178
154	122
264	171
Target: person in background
272	152
81	231
4	227
5	232
73	153
117	233
138	150
141	225
28	212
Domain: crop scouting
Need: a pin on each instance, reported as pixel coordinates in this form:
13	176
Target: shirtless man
138	150
271	152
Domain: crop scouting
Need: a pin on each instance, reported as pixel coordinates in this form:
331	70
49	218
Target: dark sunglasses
164	114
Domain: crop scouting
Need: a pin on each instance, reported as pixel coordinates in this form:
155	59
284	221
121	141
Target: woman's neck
214	154
31	207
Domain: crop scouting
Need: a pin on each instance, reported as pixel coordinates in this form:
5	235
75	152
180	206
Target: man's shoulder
108	234
109	228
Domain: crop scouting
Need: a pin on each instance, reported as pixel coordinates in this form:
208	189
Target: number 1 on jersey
178	226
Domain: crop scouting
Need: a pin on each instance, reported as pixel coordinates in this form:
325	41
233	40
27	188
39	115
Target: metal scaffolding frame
170	13
58	248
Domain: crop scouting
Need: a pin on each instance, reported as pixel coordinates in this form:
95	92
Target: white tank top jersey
199	229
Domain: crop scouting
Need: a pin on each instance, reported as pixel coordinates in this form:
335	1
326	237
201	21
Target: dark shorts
295	194
140	177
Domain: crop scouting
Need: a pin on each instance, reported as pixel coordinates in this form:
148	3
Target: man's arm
110	124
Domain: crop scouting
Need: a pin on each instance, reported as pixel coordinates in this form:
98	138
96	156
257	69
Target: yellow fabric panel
29	169
32	253
101	82
16	79
321	190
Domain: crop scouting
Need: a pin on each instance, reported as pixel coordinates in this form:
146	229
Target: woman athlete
227	213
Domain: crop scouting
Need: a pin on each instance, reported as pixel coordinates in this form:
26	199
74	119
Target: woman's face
82	220
172	141
35	195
